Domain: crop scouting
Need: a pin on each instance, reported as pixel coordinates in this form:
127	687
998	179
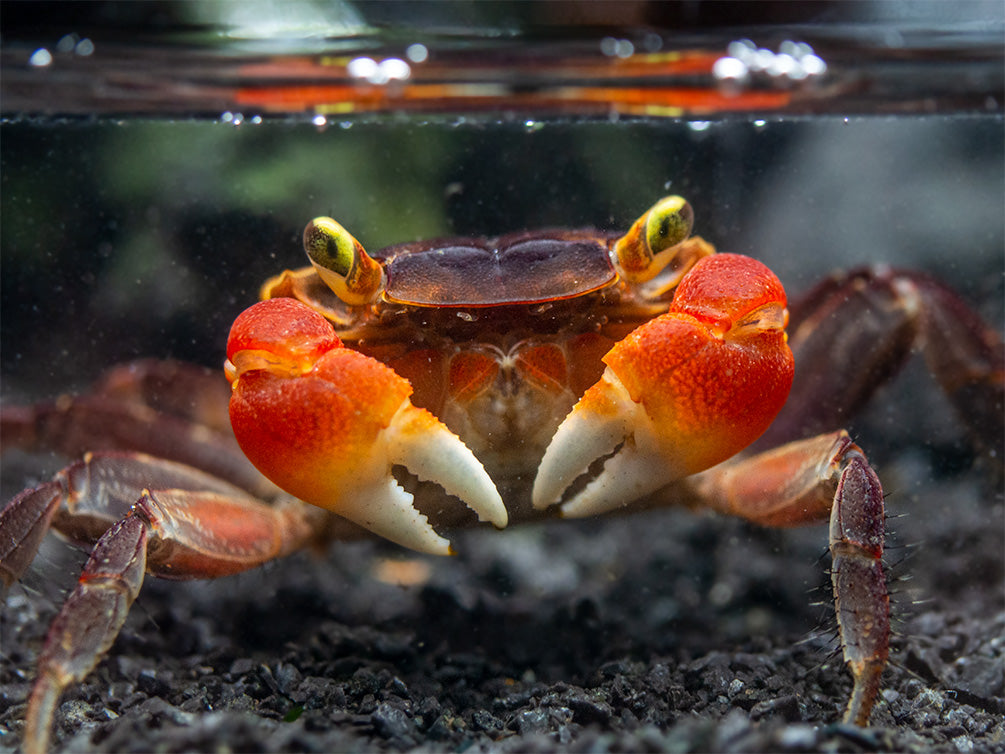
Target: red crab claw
680	394
327	423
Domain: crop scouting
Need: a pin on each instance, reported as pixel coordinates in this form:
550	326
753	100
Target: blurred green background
137	238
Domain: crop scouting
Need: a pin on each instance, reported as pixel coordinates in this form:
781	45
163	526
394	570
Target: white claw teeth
588	434
627	476
419	442
386	509
437	455
580	439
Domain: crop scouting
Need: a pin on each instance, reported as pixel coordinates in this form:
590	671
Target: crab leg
854	331
681	393
327	424
72	426
194	526
24	522
87	497
804	482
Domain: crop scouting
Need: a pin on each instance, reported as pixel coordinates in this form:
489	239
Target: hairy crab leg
327	424
808	481
172	533
681	393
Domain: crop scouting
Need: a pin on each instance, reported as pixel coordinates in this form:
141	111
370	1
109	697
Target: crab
503	380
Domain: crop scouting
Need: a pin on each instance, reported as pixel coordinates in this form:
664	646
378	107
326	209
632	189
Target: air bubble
730	69
417	53
616	48
40	58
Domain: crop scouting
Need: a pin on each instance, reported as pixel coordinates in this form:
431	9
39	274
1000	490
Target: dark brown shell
519	268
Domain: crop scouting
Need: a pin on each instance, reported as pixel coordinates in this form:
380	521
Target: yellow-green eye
341	262
670	222
649	245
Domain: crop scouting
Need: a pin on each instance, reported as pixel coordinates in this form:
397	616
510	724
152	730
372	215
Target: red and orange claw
327	423
680	394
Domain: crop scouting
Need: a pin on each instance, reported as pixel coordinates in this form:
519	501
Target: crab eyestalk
327	424
342	263
651	243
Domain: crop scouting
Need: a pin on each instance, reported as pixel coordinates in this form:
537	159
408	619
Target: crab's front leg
327	424
143	515
813	480
680	394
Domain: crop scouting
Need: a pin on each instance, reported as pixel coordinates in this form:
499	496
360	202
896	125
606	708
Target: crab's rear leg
857	329
187	423
173	532
811	480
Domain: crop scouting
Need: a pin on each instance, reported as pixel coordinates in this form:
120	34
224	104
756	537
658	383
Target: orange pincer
326	424
681	393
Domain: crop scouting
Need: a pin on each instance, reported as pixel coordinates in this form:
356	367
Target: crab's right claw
681	393
327	424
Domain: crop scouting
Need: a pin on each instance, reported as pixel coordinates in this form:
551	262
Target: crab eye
650	244
341	262
670	222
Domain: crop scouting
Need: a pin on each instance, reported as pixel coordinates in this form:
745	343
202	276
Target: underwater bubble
741	48
782	65
730	69
652	42
369	70
814	65
40	58
67	42
616	48
417	53
362	68
395	69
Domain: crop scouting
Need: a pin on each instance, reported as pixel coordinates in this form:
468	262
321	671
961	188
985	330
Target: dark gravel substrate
665	631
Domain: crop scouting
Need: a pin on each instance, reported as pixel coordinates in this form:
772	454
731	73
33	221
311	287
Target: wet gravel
664	631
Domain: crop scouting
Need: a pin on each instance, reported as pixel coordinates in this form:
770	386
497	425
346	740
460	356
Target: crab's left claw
327	424
680	394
